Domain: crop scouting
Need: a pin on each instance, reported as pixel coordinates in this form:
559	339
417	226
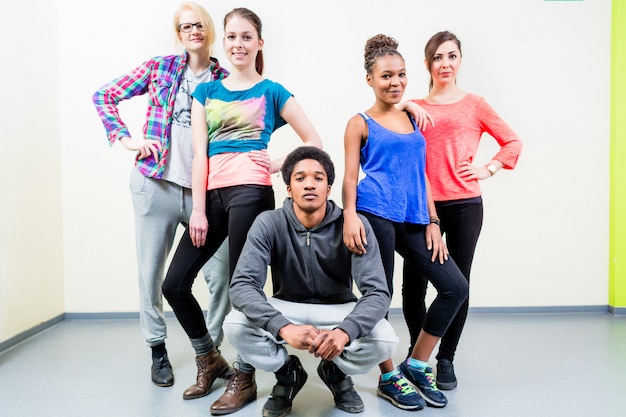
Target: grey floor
508	365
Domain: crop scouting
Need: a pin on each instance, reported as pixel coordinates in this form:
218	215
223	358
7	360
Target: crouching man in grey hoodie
313	307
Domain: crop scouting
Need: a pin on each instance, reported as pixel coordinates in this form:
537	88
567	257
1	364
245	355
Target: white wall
543	65
31	244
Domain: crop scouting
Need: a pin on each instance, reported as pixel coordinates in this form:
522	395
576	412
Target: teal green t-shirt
243	120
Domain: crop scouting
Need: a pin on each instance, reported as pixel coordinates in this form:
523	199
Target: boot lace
235	381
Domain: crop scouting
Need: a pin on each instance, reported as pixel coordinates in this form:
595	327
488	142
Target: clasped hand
325	344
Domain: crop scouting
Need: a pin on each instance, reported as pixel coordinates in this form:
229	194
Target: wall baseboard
134	315
9	343
121	315
617	311
544	310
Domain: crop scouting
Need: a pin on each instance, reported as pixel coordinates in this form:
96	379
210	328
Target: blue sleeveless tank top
394	164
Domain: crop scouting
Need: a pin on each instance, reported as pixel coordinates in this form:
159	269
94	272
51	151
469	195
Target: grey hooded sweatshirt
311	266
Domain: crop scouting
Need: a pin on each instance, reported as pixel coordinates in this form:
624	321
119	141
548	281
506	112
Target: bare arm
198	223
298	120
353	230
422	117
433	232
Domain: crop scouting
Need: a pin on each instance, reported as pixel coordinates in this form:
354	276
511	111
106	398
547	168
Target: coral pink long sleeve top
458	129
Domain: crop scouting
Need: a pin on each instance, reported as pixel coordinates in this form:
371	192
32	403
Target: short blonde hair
205	19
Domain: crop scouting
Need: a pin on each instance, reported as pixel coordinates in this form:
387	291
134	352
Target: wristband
435	220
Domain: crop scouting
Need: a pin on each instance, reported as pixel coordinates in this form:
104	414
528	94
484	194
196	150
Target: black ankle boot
161	371
289	381
345	396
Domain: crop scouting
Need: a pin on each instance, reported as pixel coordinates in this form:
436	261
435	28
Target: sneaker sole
271	414
397	404
429	401
352	410
446	386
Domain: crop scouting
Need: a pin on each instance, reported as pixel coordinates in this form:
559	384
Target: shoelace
404	386
431	380
232	384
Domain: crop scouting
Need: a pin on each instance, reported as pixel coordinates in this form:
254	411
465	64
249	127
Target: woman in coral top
460	119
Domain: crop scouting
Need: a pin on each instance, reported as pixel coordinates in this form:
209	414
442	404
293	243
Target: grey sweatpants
160	206
260	348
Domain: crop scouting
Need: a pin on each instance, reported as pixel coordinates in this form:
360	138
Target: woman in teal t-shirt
231	120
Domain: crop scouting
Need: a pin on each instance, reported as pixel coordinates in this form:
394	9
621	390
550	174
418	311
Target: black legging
461	222
410	242
230	212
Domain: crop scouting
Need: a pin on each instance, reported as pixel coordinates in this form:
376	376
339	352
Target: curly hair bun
379	45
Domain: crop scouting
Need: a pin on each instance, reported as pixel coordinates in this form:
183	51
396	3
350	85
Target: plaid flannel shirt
159	77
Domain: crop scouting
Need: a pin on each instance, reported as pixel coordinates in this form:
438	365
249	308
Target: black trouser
461	223
410	242
230	212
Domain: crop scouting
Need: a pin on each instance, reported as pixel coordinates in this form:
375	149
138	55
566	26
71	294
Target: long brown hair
433	44
251	17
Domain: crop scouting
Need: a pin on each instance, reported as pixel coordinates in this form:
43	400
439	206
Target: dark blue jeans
409	241
230	212
461	222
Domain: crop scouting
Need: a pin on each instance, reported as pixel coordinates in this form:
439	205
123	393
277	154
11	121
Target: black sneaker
289	381
446	380
340	384
162	374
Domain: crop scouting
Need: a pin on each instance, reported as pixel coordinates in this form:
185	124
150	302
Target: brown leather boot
210	367
240	391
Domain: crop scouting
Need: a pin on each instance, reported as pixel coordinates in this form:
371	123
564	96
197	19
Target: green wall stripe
617	221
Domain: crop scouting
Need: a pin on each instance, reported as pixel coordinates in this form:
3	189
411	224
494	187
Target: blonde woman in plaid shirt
160	183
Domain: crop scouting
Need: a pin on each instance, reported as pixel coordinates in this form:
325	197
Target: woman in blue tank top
395	197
